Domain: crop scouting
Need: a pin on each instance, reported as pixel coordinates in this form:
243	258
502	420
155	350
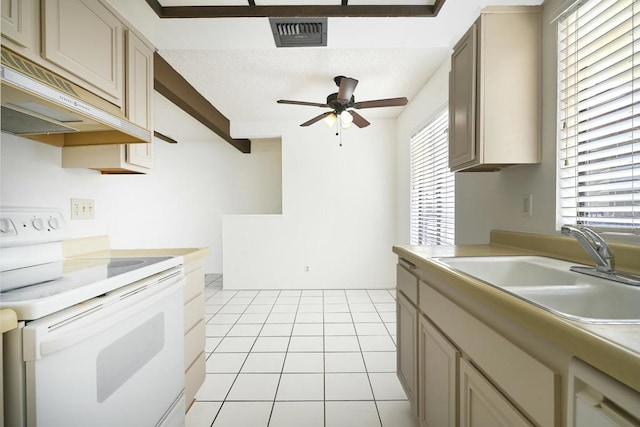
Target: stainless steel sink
549	284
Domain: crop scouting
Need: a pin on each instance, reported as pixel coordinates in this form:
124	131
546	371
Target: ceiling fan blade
317	118
310	104
389	102
358	120
347	86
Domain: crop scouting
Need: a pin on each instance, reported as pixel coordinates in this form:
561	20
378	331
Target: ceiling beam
253	11
169	83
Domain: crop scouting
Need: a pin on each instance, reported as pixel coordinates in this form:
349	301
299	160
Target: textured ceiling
234	63
253	82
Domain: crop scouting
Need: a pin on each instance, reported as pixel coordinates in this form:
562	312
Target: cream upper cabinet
21	22
437	377
86	39
139	97
494	91
124	158
481	404
462	100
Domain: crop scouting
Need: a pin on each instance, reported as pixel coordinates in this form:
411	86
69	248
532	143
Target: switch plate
527	205
82	209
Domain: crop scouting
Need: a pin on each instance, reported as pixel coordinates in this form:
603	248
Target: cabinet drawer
529	384
193	312
194	284
407	283
193	379
193	344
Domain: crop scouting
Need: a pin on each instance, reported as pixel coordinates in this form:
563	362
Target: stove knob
54	223
37	223
6	226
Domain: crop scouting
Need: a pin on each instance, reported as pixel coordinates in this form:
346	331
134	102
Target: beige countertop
612	348
187	254
8	320
99	247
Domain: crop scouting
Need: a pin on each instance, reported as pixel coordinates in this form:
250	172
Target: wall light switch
82	209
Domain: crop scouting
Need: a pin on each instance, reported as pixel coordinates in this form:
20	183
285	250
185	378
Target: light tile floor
285	358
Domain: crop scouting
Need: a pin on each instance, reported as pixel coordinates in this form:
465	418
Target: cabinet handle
409	265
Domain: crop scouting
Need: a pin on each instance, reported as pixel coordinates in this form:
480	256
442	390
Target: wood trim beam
251	11
169	83
164	137
437	6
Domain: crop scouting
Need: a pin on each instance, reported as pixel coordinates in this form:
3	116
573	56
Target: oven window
120	360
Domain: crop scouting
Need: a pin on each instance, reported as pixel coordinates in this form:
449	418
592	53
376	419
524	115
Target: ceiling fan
343	104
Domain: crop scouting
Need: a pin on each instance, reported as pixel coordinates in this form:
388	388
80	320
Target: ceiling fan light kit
343	105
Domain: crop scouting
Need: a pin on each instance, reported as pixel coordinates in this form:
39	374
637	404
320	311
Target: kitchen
218	191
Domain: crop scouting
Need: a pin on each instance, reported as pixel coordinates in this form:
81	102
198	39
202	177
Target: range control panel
29	226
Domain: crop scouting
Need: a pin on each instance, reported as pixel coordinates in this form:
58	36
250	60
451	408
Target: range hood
41	105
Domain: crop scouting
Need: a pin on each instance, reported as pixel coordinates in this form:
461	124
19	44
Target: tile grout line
323	319
224	400
375	402
286	353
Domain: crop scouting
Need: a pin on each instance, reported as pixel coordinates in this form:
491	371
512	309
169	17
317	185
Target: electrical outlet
82	209
527	205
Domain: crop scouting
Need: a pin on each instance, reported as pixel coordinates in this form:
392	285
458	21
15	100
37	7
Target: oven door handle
47	338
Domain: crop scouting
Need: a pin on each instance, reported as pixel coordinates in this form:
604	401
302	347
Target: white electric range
100	340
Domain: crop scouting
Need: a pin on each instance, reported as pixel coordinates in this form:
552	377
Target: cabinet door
483	405
86	39
139	97
438	378
20	22
462	100
407	355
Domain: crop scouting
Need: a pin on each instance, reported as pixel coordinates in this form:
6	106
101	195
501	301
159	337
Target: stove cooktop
39	290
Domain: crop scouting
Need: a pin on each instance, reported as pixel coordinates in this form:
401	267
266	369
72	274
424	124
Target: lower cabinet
457	371
194	330
437	378
482	405
407	355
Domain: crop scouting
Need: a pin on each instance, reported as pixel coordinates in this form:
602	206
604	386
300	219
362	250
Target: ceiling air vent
299	32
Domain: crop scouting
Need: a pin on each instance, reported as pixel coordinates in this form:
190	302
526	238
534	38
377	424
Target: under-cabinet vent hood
299	32
41	105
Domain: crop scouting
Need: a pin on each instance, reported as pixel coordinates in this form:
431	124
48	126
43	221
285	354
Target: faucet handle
601	247
598	241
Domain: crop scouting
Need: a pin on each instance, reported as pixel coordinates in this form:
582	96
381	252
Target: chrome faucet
601	253
595	246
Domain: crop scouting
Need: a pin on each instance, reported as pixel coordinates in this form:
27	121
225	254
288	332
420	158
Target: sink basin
549	284
515	271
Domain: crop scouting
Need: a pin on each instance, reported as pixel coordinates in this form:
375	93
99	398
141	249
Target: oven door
116	360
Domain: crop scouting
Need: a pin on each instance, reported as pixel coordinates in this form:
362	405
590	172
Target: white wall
338	214
178	204
477	194
433	96
491	200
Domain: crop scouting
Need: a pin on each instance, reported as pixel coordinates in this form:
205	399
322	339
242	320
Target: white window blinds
432	185
599	115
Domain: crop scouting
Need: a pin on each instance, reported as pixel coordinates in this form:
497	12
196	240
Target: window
432	185
599	115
